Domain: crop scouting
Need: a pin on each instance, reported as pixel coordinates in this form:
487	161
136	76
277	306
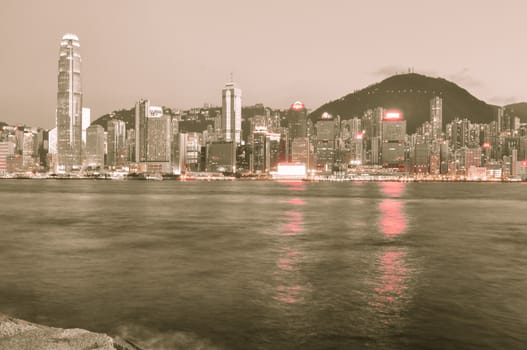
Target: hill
411	93
519	110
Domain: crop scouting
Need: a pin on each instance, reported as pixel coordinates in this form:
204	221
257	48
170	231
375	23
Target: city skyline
282	52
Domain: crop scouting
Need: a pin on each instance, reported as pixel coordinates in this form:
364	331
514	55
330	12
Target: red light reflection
294	224
392	221
296	201
288	290
289	294
296	185
392	189
393	280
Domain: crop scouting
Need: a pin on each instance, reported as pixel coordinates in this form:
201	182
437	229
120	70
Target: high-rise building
95	146
69	104
153	133
393	139
297	120
436	117
86	121
326	129
7	149
116	141
231	113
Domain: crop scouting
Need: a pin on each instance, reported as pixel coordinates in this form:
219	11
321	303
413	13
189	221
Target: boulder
17	334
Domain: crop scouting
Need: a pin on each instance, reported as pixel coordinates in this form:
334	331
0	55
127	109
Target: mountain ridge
410	93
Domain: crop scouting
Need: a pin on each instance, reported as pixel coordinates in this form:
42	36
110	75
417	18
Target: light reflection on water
393	275
289	291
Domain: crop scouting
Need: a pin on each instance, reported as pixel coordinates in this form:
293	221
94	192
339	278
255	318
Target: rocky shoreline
17	334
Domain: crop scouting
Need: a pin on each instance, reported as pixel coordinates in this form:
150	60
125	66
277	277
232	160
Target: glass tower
69	105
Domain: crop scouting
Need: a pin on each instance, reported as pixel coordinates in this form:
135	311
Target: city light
297	106
393	115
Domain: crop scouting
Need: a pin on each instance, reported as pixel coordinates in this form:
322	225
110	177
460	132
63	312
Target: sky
180	53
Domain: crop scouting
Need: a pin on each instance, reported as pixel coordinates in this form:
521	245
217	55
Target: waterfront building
69	105
393	139
86	121
153	135
231	113
436	117
116	143
28	149
326	132
7	149
421	158
221	157
179	152
194	141
443	157
95	146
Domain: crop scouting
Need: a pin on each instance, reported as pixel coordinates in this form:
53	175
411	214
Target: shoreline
17	334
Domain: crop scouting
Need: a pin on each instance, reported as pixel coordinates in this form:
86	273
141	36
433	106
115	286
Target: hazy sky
180	53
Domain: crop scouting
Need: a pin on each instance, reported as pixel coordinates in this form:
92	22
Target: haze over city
180	54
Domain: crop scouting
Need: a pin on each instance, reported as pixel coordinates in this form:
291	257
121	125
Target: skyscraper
116	141
231	113
152	136
297	120
69	104
95	146
436	117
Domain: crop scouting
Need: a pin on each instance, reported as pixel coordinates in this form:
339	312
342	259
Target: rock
21	335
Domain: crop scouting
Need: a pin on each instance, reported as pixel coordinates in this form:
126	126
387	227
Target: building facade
69	105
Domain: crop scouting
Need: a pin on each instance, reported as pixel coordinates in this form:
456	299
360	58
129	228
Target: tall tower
436	117
231	113
297	120
69	104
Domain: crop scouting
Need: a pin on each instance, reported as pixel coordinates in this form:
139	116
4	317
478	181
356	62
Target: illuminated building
460	133
116	143
393	133
7	149
231	113
221	157
301	151
436	117
28	145
95	146
421	158
289	171
179	152
152	137
325	145
193	151
69	104
297	120
86	121
443	157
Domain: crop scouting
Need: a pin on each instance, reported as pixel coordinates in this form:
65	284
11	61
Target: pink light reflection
296	185
293	225
296	201
393	281
287	262
392	189
393	220
289	294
